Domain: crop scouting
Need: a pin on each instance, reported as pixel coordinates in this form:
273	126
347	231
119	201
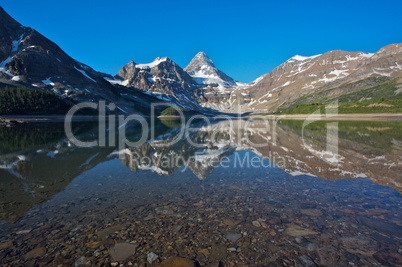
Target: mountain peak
203	71
203	56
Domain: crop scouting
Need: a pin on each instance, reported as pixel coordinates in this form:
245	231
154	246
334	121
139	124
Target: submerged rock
305	261
218	252
35	253
388	258
163	211
295	230
151	257
81	261
177	262
312	212
149	217
360	244
233	237
256	223
122	251
22	232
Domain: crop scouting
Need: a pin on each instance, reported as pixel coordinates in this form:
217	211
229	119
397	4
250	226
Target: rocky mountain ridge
29	59
296	77
303	75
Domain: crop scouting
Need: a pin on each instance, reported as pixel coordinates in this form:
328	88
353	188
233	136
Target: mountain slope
29	59
300	76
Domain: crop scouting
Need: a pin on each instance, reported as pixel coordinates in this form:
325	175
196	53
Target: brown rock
218	252
37	252
256	223
312	212
204	251
348	211
103	234
329	255
295	230
93	244
360	245
6	245
177	262
230	222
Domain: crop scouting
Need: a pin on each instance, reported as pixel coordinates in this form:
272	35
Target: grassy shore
328	117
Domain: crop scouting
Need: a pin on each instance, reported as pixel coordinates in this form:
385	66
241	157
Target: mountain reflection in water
38	161
273	166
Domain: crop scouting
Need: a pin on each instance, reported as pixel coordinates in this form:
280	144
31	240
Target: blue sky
245	39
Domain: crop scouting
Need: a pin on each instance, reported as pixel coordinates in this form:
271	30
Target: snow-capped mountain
189	88
161	78
29	59
203	71
302	75
299	74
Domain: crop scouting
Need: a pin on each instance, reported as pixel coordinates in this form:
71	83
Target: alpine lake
218	193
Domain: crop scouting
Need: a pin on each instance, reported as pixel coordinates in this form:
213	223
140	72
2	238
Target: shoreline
45	118
325	117
336	117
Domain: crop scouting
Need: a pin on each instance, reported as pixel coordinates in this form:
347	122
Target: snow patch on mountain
84	73
339	72
154	63
16	44
302	58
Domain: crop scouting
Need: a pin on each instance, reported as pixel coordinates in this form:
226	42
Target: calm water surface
246	193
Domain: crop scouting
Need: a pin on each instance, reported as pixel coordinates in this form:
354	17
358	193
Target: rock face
333	72
204	72
303	75
192	88
163	79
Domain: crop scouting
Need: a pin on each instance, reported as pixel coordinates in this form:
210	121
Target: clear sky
245	39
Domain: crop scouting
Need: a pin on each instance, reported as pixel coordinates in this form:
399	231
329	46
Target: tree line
26	101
